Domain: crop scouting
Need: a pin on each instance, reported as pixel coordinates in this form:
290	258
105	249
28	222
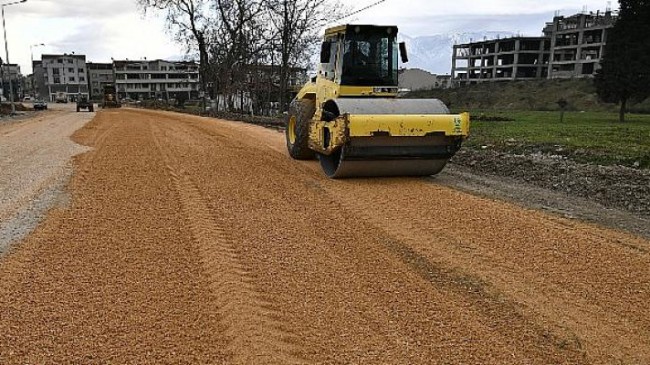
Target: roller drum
387	155
377	168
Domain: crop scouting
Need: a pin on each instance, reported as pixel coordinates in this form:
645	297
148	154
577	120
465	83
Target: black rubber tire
78	109
303	111
91	109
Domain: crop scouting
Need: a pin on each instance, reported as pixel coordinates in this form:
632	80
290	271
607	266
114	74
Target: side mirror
325	52
402	52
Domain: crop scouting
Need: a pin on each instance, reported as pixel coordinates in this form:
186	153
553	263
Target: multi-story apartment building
577	43
158	79
99	75
508	59
571	47
10	72
64	74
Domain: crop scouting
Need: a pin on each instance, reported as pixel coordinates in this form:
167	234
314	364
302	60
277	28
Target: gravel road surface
198	241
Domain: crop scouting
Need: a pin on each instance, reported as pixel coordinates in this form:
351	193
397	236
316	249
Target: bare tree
188	20
237	44
235	37
297	26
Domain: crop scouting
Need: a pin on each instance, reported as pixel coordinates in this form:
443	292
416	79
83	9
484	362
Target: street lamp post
31	53
4	27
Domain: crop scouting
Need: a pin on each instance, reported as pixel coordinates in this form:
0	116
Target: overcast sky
102	29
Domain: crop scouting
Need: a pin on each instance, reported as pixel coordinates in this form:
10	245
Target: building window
59	61
55	71
71	78
57	80
81	79
81	70
69	60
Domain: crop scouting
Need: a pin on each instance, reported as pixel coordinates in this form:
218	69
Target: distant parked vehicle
61	97
40	105
27	99
84	103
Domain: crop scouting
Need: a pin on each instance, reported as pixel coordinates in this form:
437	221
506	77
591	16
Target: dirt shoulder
614	195
530	195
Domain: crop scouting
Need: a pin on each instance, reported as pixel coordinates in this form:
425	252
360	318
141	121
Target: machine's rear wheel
297	131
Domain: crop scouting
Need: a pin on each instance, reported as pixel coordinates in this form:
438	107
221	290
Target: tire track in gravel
558	290
257	334
355	301
193	240
577	311
401	238
113	278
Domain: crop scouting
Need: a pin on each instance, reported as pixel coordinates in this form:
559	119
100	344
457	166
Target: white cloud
76	9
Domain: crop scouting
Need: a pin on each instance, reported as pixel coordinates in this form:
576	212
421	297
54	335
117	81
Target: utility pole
4	27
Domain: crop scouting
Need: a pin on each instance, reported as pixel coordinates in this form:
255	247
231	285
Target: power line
360	10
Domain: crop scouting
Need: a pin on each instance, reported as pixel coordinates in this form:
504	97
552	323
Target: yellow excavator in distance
349	115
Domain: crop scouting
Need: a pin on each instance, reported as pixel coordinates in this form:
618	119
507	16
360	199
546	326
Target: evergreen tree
625	72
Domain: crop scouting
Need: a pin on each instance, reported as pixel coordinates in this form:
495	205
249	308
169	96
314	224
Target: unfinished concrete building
571	47
577	43
509	59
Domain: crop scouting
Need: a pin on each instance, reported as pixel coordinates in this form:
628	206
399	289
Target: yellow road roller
349	115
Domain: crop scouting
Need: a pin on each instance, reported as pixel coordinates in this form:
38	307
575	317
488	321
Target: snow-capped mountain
433	53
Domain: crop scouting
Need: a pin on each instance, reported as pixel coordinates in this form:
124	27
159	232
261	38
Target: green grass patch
594	137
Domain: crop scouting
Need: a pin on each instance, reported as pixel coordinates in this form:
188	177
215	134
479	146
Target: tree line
247	48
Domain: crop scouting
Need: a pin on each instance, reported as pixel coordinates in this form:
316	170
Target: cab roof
349	27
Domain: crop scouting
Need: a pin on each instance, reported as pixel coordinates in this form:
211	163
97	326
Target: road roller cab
349	115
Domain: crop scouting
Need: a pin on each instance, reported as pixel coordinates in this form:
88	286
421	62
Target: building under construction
571	47
519	58
577	44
